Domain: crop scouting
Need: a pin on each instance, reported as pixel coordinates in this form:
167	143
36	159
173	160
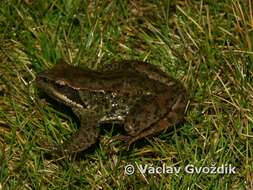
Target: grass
205	44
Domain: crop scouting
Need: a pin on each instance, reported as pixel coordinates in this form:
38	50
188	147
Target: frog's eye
58	86
61	82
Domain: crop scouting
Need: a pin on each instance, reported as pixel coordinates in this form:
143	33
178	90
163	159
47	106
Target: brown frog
136	94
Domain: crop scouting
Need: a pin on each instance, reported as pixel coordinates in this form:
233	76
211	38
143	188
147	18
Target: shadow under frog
136	94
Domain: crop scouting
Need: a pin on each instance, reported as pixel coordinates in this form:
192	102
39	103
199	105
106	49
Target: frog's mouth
61	93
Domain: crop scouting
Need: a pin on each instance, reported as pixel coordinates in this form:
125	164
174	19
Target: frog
141	97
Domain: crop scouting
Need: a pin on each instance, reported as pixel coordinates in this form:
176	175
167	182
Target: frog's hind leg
164	124
85	137
173	116
147	111
144	114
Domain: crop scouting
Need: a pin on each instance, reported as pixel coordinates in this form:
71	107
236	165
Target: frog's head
59	84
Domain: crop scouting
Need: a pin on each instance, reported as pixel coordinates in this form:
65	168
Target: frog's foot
126	139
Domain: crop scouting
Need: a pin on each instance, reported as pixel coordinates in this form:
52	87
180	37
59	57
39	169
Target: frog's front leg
87	134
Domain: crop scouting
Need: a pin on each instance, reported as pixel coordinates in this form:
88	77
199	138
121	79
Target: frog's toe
126	139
